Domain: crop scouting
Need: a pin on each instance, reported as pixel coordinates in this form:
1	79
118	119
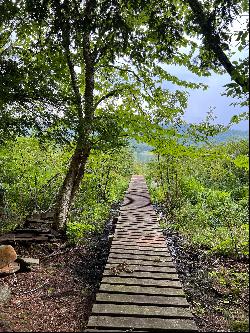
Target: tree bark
214	43
70	186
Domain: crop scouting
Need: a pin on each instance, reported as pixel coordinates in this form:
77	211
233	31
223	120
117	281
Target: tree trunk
79	159
70	186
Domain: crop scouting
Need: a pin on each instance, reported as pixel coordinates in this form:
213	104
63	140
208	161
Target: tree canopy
91	72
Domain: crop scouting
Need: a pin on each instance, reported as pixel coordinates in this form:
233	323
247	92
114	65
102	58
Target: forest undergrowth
202	202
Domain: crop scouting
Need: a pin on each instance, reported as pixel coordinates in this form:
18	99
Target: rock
7	255
11	268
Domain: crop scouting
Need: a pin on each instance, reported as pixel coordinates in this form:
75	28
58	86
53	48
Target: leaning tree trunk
69	187
79	159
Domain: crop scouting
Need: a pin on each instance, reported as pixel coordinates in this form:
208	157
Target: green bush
206	198
30	175
104	183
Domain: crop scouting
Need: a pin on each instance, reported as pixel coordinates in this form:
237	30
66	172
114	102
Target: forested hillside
87	101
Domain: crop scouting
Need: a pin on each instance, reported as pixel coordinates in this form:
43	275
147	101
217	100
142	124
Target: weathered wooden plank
37	220
89	330
133	247
141	262
142	290
30	261
139	268
153	230
157	324
30	238
134	223
141	244
139	236
141	311
139	252
172	281
156	239
128	272
142	299
137	228
31	231
155	258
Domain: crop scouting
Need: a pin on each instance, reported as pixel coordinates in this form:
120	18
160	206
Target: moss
239	326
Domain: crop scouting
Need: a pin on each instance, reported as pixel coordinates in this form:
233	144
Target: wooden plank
14	238
89	330
37	220
141	262
140	237
141	244
30	261
121	230
138	222
142	299
139	268
156	324
140	248
134	252
141	274
172	281
155	258
31	231
141	311
134	223
142	290
141	241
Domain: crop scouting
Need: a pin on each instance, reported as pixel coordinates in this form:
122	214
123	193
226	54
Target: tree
92	74
80	57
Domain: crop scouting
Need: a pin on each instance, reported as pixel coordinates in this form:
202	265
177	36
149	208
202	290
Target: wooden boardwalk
140	290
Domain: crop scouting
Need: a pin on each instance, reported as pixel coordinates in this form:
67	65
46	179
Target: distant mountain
143	151
231	135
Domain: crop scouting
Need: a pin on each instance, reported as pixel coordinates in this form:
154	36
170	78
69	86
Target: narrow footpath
140	289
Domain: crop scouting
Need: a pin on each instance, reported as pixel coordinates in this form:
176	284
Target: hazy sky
200	101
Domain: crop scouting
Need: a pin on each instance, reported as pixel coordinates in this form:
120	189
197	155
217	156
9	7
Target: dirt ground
58	295
219	303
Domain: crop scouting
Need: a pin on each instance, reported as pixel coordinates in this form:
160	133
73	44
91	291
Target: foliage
205	196
41	48
94	71
32	172
240	326
104	183
232	280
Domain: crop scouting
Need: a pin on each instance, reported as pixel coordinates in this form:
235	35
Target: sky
200	101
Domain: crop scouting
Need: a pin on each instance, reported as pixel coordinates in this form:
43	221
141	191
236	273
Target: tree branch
110	94
125	70
214	43
65	28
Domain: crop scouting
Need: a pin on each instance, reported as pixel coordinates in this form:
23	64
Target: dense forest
82	98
